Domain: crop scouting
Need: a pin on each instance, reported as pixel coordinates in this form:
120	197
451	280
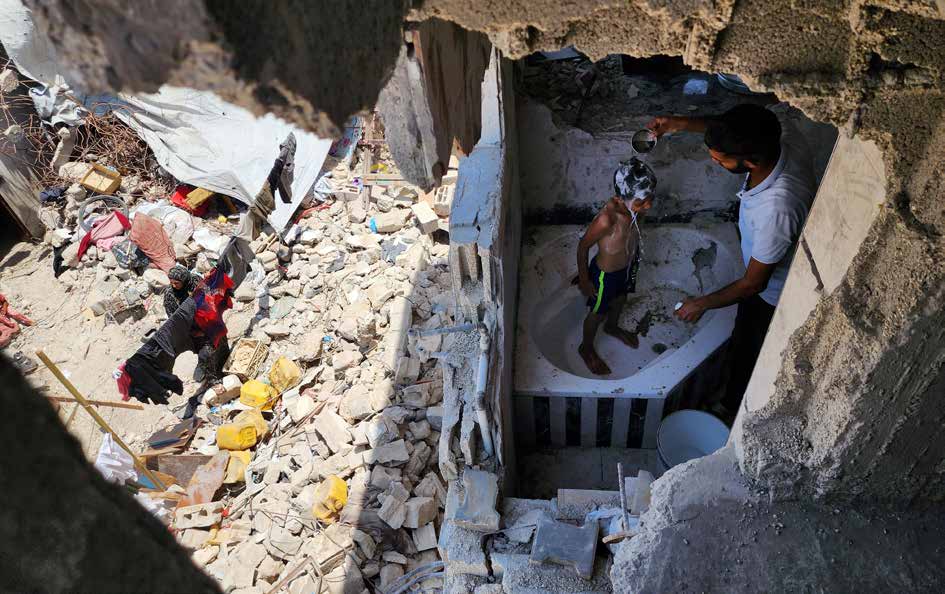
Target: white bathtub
551	311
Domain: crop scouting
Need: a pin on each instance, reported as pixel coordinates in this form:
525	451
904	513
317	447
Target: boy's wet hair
634	179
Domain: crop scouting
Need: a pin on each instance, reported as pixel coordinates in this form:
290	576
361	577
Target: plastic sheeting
196	136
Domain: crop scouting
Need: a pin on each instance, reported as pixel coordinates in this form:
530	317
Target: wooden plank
558	410
589	422
104	403
525	421
651	424
98	419
621	424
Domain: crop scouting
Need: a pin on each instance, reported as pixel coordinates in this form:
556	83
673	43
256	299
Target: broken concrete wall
19	187
485	226
248	54
432	98
62	527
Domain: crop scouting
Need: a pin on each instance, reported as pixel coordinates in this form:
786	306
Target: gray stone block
477	511
564	544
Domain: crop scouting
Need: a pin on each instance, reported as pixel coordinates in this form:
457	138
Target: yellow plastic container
284	374
236	436
258	395
244	432
330	497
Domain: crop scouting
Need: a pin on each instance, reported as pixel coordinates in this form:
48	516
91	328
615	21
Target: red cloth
213	297
8	322
148	234
104	228
124	383
179	198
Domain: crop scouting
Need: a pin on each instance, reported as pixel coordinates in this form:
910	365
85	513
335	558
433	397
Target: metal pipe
482	379
407	578
422	333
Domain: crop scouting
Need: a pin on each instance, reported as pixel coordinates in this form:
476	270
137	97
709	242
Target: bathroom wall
567	162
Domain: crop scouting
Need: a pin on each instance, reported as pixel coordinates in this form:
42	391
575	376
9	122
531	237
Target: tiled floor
542	473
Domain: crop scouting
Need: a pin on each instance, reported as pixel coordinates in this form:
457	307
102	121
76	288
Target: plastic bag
129	255
115	464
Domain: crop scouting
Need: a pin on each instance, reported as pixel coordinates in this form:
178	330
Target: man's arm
598	229
755	281
665	124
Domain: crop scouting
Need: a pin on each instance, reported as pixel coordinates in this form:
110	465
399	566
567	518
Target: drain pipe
482	377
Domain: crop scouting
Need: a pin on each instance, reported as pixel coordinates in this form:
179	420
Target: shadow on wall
63	527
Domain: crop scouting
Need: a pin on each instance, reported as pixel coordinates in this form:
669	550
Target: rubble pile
316	456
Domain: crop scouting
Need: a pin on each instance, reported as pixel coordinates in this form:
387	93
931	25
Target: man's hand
661	125
587	287
691	310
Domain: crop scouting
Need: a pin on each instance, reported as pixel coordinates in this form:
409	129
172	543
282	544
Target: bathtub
678	261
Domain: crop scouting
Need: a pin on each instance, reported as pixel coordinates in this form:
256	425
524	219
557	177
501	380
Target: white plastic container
689	434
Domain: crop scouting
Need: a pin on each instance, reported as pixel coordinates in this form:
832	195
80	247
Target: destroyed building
427	325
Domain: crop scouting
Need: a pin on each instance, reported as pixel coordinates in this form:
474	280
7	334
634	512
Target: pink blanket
105	233
148	234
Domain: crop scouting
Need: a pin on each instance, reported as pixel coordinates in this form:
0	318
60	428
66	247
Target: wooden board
181	467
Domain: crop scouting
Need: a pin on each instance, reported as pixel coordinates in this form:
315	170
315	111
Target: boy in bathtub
611	275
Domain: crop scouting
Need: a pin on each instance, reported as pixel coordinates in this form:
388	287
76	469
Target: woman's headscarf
174	297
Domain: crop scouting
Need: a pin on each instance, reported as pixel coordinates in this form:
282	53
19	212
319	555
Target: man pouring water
775	199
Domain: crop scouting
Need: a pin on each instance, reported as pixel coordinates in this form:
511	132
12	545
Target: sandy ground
86	350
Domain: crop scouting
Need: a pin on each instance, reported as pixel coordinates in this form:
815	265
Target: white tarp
204	141
196	136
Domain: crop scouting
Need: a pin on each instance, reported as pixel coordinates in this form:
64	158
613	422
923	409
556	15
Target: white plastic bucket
688	434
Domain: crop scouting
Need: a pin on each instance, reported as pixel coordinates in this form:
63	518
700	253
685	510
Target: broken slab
574	504
419	511
477	511
395	451
564	544
425	537
202	515
333	429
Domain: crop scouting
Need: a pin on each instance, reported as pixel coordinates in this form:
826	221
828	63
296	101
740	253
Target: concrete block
435	417
382	476
194	538
202	515
365	542
564	544
394	557
391	221
420	511
574	504
425	537
390	573
393	452
640	498
231	391
343	360
356	403
426	218
462	550
393	512
443	199
519	575
477	511
523	528
333	429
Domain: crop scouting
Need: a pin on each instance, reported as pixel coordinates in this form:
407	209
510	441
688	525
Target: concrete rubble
336	294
